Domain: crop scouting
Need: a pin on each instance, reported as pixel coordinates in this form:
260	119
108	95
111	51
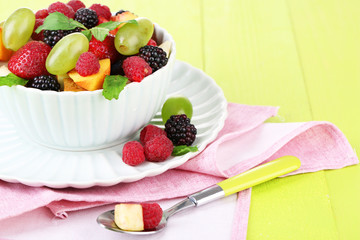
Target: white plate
35	165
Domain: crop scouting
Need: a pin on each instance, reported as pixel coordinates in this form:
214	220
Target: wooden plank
328	36
251	52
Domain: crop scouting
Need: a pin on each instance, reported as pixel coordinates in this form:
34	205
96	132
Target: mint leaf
183	149
113	85
87	34
109	25
58	21
11	80
99	33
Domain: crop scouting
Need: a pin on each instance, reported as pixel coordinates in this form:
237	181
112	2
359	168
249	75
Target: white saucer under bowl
29	163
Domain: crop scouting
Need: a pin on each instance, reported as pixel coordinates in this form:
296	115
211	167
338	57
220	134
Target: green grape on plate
176	105
18	28
131	37
64	55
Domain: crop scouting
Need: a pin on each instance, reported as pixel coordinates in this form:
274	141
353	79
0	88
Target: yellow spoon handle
260	174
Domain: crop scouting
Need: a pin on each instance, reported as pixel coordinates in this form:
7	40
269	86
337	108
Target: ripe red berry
29	61
87	64
158	149
76	4
62	8
152	214
104	49
136	68
149	132
38	36
42	13
101	10
152	43
133	153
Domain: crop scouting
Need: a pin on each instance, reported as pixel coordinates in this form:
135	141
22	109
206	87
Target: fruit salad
72	47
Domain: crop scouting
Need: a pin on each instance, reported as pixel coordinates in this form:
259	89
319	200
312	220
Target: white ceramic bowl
86	120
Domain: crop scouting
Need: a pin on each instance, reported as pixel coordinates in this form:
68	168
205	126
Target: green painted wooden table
301	55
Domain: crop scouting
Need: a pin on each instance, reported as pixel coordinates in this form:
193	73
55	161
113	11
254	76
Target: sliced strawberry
152	214
102	20
104	49
29	61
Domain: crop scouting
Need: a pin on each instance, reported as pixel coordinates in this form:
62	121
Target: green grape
131	37
176	105
18	28
64	55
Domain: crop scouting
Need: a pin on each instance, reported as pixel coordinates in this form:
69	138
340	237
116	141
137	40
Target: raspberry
38	36
76	4
87	64
29	61
44	82
133	153
87	17
158	149
136	68
149	132
154	56
152	42
101	10
42	13
180	131
152	215
51	37
62	8
104	49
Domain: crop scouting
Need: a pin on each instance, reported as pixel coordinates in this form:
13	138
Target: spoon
252	177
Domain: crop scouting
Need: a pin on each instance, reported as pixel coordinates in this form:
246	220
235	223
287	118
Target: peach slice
94	81
5	53
71	86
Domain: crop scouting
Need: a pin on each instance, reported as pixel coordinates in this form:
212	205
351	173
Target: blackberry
87	17
154	56
51	37
44	82
180	131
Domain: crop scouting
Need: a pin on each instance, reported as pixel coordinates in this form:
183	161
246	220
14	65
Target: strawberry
29	61
152	214
104	49
152	43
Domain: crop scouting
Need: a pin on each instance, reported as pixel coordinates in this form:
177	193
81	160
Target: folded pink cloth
244	142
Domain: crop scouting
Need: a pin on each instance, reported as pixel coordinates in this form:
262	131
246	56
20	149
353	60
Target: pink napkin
244	142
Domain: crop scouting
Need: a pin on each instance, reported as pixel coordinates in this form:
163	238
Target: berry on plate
136	68
29	61
180	131
149	132
133	153
158	149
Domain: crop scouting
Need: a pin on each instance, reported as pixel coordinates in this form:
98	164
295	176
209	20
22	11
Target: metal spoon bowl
227	187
